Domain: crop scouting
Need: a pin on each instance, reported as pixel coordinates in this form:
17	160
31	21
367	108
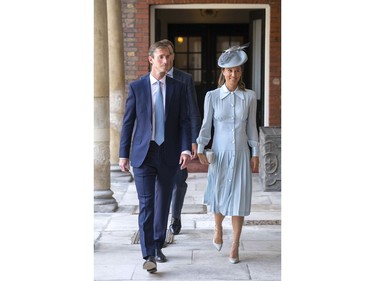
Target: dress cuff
200	148
255	151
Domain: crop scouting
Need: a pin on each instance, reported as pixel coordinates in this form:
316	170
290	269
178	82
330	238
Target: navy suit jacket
193	110
137	122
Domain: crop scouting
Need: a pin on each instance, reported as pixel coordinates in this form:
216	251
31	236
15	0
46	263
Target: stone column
116	76
103	195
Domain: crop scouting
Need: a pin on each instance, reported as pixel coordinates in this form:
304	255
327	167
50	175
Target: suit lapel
169	92
147	96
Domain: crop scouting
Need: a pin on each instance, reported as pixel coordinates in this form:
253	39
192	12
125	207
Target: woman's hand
255	164
203	159
194	148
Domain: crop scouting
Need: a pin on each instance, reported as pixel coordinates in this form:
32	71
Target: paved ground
191	255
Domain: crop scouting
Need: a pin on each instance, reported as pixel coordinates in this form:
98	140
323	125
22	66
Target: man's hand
184	160
124	164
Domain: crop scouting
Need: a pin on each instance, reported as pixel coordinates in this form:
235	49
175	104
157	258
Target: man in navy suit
155	165
180	187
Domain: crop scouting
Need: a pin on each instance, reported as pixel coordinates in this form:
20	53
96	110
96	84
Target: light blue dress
233	115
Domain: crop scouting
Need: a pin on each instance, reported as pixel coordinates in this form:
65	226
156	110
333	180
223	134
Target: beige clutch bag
210	155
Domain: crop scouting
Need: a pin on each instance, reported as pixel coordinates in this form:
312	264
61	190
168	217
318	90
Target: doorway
198	46
201	35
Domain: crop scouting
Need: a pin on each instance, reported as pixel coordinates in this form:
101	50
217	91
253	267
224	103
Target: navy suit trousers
154	182
179	192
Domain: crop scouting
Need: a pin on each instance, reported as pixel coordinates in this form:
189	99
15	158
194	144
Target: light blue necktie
159	116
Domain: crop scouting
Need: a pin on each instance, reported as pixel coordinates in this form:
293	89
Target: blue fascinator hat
232	57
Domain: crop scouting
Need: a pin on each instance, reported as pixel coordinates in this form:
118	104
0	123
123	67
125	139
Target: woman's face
232	76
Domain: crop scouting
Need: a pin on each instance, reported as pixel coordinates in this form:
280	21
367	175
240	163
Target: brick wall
135	21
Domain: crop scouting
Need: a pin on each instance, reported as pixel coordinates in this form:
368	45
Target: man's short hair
157	45
169	43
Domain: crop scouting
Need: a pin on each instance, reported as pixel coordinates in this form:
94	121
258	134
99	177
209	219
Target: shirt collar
170	72
153	79
224	92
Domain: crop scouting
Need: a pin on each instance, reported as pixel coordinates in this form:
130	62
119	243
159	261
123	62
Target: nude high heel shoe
234	257
219	236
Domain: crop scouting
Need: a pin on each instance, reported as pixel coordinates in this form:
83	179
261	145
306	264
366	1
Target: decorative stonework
169	239
270	158
261	222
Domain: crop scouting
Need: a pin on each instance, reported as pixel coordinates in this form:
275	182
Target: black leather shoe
159	256
150	265
175	226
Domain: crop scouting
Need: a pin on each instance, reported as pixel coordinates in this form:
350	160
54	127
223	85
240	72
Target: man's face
160	60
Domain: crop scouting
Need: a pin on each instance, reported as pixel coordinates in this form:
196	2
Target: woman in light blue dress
231	109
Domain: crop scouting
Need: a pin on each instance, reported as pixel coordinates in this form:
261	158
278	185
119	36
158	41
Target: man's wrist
187	152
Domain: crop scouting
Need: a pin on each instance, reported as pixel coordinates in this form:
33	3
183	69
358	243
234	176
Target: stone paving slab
191	256
213	271
111	272
186	209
